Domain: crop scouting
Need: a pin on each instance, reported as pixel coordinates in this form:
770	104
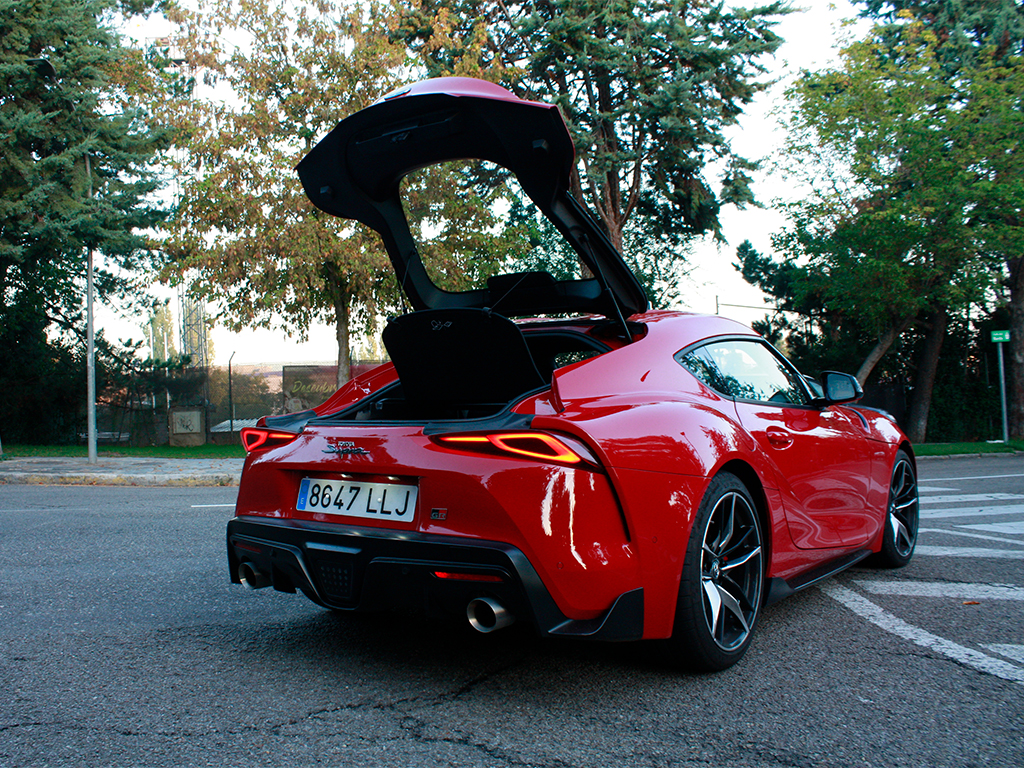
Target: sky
713	285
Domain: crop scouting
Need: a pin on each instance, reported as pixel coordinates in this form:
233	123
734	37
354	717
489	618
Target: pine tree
76	148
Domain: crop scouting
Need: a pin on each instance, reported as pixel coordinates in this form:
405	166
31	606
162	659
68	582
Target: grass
955	449
108	451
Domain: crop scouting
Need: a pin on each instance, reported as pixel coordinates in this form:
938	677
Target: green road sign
1000	336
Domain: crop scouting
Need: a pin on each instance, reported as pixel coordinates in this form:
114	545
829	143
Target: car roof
355	172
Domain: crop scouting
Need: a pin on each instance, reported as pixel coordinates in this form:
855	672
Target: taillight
540	446
257	438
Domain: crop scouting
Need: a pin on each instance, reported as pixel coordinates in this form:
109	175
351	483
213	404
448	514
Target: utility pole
90	341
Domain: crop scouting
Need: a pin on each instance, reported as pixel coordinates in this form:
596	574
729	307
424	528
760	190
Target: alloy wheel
903	508
731	570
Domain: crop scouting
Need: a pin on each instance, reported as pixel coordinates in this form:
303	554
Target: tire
722	583
902	515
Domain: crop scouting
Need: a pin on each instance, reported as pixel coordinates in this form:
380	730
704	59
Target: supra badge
346	449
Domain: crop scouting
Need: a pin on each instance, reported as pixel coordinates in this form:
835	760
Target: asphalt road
122	643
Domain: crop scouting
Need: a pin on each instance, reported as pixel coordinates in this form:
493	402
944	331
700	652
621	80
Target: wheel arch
887	552
749	477
703	636
906	447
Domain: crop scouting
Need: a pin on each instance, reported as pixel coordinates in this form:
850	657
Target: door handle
778	438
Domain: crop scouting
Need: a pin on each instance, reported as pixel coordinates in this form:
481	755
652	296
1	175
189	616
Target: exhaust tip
487	615
252	578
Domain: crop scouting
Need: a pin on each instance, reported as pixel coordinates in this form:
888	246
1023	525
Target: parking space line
896	626
947	532
960	590
1015	527
997	554
1015	652
971	498
1015	509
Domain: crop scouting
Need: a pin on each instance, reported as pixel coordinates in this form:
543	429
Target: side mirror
840	387
812	384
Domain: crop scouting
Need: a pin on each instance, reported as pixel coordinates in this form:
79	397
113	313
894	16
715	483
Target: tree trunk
885	341
924	380
344	353
614	228
341	299
1015	406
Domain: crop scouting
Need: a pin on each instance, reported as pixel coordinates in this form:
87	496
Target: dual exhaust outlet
485	614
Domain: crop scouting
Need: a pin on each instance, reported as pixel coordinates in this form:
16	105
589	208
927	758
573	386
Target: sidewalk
120	471
189	472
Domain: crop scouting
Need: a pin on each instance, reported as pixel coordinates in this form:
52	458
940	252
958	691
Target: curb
993	455
152	480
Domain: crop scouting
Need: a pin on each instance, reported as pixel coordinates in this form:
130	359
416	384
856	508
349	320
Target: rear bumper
364	569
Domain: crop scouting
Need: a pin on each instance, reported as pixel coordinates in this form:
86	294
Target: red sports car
594	468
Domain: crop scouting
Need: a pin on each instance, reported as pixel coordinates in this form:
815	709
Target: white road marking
896	626
934	489
947	532
961	590
1015	652
1015	509
207	506
1015	527
965	498
47	509
975	477
995	554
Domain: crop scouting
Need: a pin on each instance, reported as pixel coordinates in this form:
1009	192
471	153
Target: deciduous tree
276	78
256	86
978	49
907	166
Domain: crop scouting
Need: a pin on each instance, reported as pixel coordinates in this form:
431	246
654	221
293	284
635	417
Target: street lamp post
90	340
231	400
45	69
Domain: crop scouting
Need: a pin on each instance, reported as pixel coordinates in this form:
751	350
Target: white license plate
375	501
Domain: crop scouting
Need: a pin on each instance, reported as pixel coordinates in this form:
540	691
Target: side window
746	370
707	367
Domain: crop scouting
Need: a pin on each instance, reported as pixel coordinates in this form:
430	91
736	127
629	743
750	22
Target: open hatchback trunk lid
356	170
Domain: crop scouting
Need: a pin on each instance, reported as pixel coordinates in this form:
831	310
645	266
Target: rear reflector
457	576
